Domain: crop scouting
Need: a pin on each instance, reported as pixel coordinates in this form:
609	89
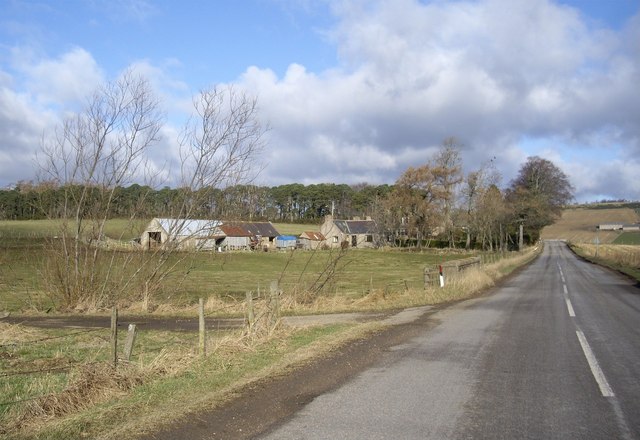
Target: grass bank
623	258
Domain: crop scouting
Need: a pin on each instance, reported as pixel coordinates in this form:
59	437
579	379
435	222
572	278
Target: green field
628	237
227	276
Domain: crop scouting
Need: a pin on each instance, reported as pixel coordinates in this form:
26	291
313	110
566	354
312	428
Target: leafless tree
91	154
106	146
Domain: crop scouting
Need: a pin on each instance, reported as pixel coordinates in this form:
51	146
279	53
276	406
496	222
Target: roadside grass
623	258
96	401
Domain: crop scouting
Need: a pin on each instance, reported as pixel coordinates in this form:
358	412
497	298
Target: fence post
203	339
128	344
426	278
275	303
114	336
250	316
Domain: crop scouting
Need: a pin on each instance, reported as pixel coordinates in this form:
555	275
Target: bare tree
447	171
218	148
91	154
105	147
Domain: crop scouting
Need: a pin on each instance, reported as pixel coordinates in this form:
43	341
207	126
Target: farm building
353	233
610	226
284	242
311	240
263	234
235	238
618	227
208	234
183	233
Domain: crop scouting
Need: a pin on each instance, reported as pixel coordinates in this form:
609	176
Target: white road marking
605	389
564	287
570	307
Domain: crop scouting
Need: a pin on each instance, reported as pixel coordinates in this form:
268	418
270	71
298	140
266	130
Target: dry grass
578	225
623	255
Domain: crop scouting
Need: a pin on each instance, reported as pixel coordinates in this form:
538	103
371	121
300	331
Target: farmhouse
311	240
349	233
181	233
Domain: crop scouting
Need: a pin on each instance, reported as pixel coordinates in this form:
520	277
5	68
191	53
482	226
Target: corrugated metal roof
313	235
264	229
235	231
176	227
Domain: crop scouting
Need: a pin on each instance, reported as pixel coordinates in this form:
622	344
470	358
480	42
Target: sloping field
578	225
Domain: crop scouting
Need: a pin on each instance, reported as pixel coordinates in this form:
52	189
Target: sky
352	91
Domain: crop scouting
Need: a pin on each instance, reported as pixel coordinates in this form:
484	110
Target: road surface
552	354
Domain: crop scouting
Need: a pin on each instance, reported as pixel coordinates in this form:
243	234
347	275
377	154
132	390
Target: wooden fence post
131	339
203	337
275	302
114	336
250	315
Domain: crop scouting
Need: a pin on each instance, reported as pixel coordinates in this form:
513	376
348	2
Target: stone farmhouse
354	233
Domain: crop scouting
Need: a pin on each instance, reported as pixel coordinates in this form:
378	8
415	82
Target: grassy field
578	225
226	276
628	237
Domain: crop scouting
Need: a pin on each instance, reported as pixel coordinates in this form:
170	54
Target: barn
311	240
354	233
181	233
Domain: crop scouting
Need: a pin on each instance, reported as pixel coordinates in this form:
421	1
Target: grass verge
622	258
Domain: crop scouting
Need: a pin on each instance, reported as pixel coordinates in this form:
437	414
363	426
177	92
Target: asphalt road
552	354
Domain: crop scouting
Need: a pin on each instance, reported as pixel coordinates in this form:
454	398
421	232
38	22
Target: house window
335	238
369	238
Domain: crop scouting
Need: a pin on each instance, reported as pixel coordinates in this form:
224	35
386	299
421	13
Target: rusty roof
313	235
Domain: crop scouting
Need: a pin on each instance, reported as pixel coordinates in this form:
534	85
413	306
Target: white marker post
441	277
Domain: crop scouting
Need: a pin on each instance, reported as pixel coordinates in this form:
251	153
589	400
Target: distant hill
579	224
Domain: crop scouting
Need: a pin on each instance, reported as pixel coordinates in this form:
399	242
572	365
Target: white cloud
67	79
487	72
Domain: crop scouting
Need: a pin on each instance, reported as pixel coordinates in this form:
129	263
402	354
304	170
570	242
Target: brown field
578	225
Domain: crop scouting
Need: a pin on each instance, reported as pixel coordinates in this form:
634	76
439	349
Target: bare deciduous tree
91	154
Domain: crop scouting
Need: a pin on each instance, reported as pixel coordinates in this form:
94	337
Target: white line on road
605	389
570	307
564	287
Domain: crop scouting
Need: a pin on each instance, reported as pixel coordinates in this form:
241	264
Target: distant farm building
354	233
619	227
181	233
189	234
311	240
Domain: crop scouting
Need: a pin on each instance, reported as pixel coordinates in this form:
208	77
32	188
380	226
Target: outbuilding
182	233
311	240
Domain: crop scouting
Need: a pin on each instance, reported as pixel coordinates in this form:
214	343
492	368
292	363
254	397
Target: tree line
432	203
293	203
